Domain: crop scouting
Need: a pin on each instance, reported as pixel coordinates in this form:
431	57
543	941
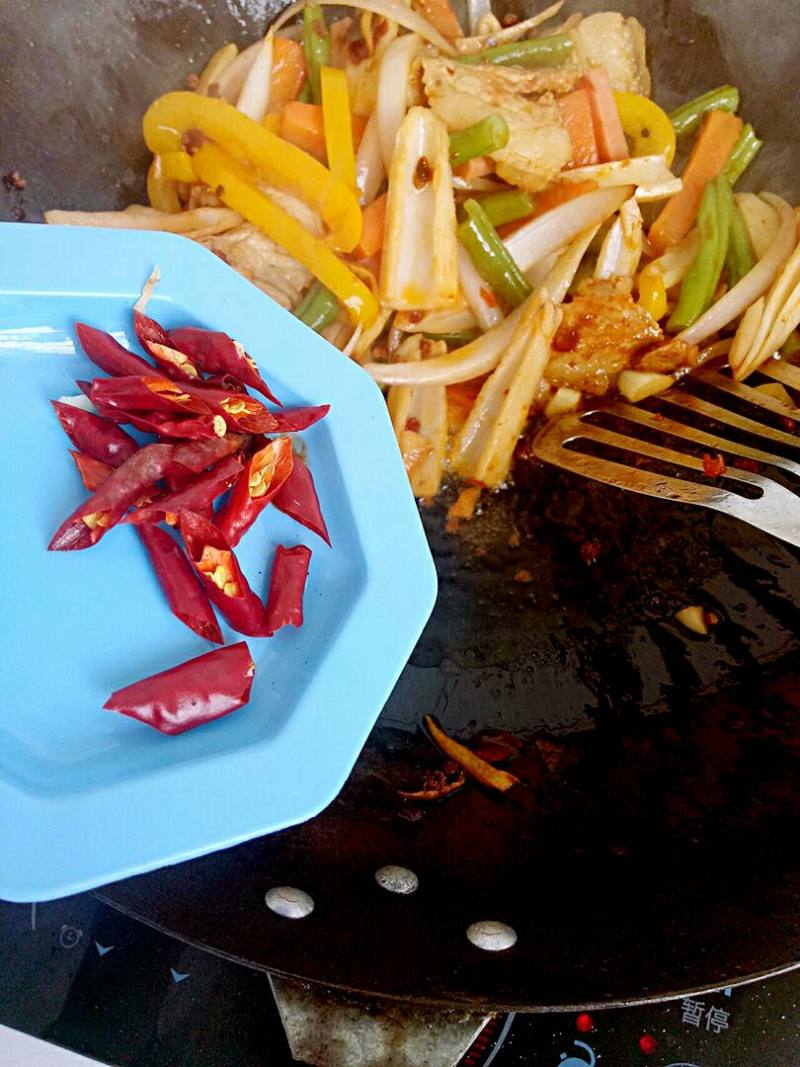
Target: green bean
688	117
488	135
744	152
538	52
317	44
508	206
304	96
455	339
492	259
739	260
318	308
725	209
700	283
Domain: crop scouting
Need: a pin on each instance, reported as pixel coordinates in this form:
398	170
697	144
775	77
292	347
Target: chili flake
714	466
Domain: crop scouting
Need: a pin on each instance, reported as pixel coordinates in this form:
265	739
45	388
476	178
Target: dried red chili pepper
225	382
108	354
193	457
154	339
298	499
147	394
262	477
221	576
241	412
197	496
93	435
294	420
286	586
192	428
108	504
187	599
93	473
198	691
216	353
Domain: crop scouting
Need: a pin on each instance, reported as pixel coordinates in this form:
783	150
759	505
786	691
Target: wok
661	853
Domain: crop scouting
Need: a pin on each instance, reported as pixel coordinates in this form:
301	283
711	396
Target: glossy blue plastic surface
87	796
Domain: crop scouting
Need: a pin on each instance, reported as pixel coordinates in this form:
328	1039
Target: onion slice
483	354
754	284
478	357
392	94
762	222
650	174
554	229
253	99
442	320
370	170
232	78
479	296
211	220
418	265
428	407
779	317
622	248
470	45
371	334
390	9
675	262
485	445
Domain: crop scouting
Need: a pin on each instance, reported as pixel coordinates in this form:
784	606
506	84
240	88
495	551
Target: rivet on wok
492	936
396	879
289	902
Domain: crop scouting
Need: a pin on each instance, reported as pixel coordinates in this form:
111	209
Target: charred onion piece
436	792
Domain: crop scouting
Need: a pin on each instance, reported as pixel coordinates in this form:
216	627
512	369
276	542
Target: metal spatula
660	452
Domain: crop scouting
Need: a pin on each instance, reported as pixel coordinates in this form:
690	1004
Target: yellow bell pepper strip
234	185
177	166
276	161
648	128
338	125
652	293
160	191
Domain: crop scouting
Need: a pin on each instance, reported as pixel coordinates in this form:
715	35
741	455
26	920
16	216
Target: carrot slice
575	110
441	16
374	216
560	192
713	146
302	124
288	72
608	132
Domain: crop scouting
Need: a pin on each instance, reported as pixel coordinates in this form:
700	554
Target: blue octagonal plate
87	796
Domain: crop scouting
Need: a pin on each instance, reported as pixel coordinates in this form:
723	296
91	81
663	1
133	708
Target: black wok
662	851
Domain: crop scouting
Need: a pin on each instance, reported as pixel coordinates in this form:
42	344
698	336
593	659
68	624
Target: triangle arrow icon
102	949
177	976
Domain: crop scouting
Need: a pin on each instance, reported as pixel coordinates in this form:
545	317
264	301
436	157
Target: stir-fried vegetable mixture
491	224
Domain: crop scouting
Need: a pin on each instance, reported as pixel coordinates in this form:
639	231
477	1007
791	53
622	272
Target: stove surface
78	974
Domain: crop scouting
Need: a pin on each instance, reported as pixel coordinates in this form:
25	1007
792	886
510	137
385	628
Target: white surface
19	1050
